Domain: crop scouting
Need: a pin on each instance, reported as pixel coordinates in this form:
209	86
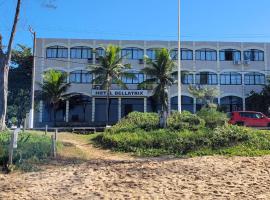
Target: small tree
205	94
109	71
160	73
54	88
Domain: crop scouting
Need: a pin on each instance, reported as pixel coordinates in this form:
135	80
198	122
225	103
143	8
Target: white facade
234	68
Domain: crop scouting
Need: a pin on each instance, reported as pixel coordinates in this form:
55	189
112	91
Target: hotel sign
121	93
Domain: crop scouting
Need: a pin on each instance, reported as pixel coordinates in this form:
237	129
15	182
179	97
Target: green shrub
229	135
30	147
137	120
185	121
212	117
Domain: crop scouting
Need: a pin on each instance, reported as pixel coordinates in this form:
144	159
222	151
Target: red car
249	118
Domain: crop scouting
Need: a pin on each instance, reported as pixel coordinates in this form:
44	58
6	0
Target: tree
109	71
259	101
19	82
4	68
206	94
160	73
53	89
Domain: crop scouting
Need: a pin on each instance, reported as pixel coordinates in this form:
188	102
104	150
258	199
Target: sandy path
197	178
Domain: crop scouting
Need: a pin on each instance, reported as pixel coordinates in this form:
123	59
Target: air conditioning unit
237	62
141	61
246	62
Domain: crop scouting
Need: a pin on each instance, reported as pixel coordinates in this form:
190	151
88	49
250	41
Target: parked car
249	118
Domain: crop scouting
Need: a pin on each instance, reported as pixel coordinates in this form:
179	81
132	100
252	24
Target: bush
137	120
30	147
212	117
185	121
229	135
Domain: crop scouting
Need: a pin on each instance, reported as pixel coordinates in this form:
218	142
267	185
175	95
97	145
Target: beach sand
194	178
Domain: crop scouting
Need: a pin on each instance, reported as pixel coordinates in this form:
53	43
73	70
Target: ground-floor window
231	103
187	103
131	105
200	103
49	113
101	110
80	108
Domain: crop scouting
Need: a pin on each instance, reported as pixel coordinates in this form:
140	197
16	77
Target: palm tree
54	88
160	73
109	71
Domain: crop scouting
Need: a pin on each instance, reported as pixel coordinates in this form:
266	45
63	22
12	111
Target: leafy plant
185	121
212	117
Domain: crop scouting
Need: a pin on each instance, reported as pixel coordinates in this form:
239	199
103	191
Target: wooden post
55	134
46	129
10	156
13	144
53	148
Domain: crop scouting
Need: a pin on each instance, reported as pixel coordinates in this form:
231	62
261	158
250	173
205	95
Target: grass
32	147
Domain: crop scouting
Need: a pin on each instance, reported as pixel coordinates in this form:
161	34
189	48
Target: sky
201	20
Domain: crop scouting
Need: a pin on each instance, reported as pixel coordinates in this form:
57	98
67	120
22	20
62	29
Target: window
206	54
136	78
254	78
251	115
187	103
187	78
230	55
81	53
231	103
57	52
254	55
132	53
186	54
80	77
100	52
230	78
206	78
151	53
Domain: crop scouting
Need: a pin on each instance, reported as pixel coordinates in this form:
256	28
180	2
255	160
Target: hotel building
234	68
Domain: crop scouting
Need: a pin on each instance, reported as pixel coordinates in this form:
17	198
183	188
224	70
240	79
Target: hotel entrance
129	105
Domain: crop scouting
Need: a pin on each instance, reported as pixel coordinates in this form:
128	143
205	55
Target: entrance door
128	109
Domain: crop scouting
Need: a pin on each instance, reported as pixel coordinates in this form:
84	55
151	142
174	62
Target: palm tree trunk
108	106
4	69
54	117
3	94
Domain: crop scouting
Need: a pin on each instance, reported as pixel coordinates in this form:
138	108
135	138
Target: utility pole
31	114
179	61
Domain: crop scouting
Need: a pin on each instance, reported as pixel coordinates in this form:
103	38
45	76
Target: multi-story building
234	68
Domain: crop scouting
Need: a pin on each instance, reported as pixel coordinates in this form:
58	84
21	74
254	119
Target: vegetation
212	117
4	68
20	77
109	71
54	88
160	71
186	135
31	147
260	101
205	94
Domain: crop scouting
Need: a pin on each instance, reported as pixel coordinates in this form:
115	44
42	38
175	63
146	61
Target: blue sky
201	20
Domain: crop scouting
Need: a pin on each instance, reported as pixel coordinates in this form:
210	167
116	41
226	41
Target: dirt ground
101	174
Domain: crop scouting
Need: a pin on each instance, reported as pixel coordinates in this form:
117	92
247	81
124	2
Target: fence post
55	134
13	144
53	147
46	129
